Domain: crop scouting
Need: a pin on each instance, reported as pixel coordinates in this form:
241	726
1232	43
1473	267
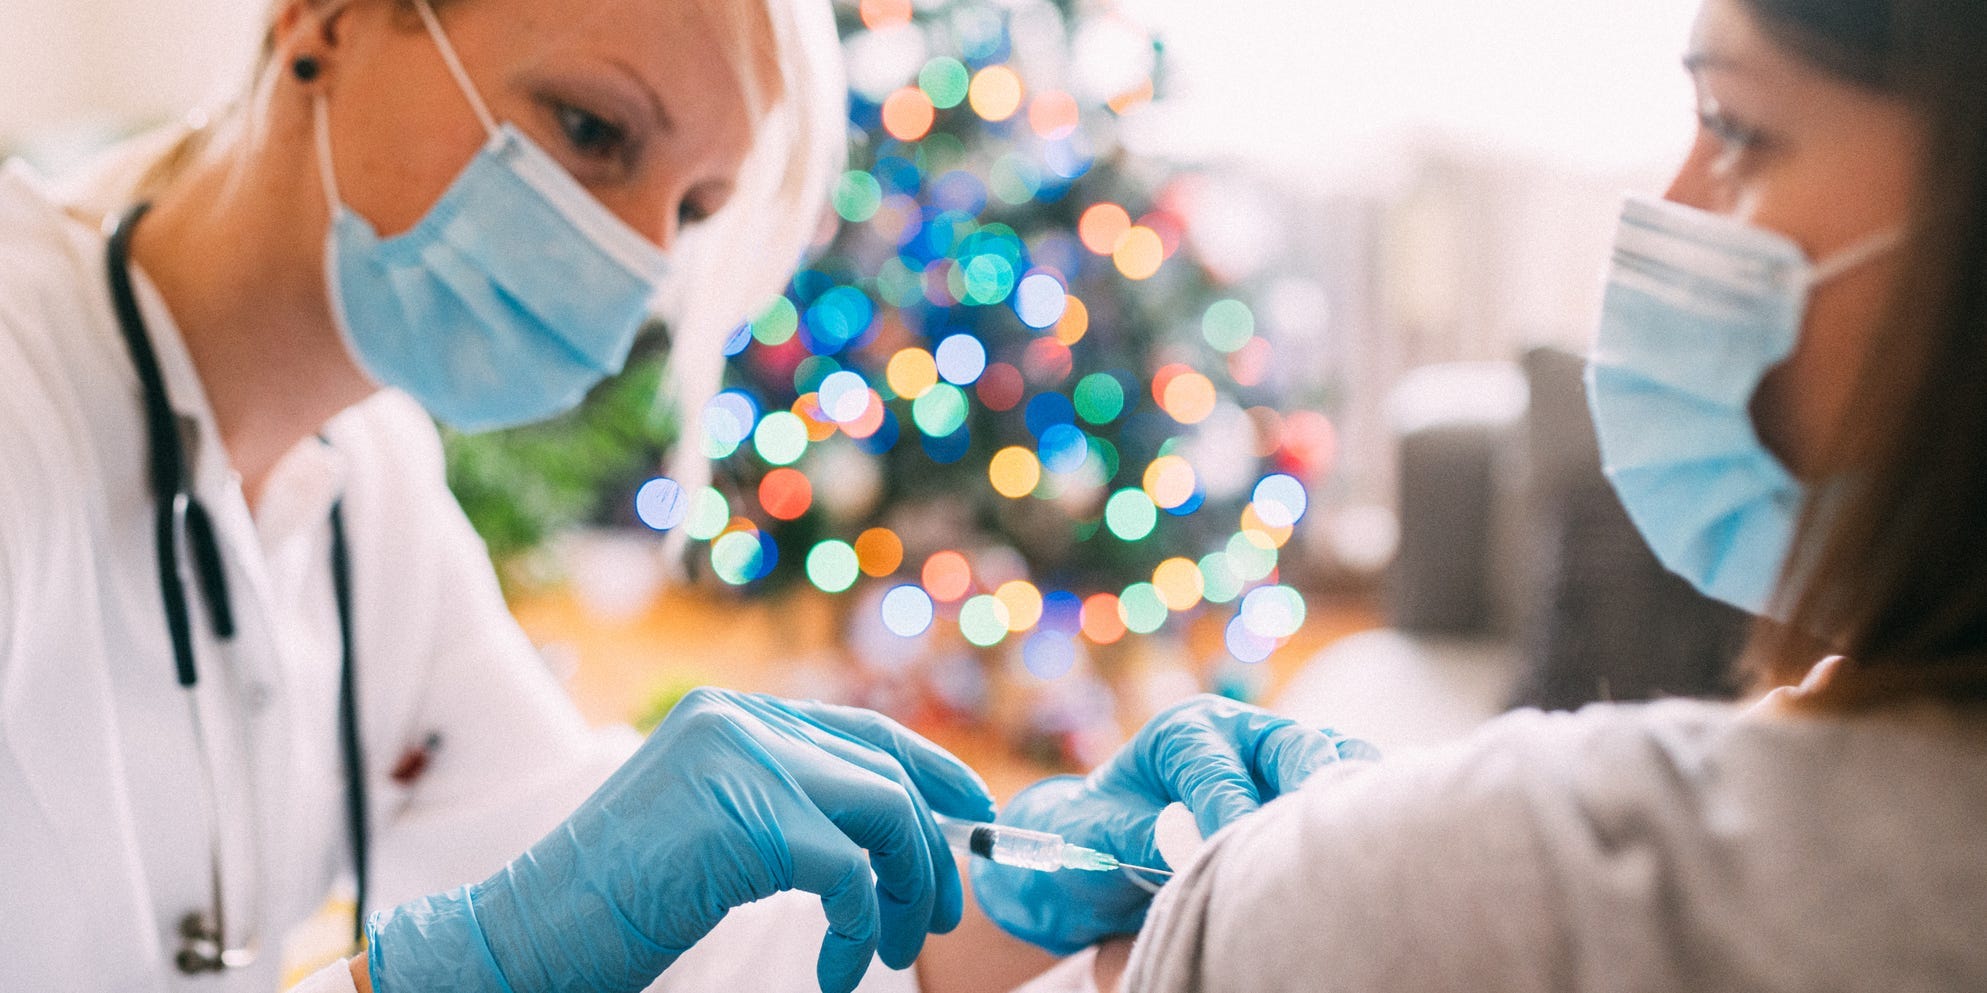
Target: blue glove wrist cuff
433	943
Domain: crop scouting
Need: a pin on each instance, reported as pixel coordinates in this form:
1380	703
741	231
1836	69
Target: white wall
70	66
1313	87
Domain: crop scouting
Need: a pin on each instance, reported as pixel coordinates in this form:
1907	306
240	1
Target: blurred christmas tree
1007	391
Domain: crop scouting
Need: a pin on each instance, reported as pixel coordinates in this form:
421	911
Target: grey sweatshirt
1672	846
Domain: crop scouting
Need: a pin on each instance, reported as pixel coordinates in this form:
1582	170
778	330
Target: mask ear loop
455	66
1854	257
326	173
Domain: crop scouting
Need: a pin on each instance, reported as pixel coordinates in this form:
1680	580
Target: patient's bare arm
978	957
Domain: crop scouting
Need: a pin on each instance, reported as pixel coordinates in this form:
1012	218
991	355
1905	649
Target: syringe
1023	849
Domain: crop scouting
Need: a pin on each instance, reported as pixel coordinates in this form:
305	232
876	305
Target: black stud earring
304	68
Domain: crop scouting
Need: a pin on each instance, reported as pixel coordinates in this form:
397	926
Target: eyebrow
663	120
1699	60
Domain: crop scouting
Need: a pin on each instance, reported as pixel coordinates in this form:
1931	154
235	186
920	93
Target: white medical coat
103	830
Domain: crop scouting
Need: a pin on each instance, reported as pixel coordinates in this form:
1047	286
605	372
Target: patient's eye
1737	136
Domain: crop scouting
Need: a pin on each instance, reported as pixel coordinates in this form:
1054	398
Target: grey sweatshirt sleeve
1669	846
1424	874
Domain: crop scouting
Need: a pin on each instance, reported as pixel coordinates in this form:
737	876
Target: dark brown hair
1891	569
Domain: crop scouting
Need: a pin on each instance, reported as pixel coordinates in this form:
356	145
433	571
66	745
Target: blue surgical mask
514	295
1698	308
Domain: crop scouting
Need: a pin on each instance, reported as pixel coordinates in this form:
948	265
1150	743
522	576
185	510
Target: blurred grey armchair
1599	618
1519	579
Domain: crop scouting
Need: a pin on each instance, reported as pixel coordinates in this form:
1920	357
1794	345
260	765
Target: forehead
1727	38
690	51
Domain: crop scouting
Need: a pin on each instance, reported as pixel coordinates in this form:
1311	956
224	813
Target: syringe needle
1168	873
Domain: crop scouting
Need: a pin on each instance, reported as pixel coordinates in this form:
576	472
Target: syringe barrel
1006	845
960	834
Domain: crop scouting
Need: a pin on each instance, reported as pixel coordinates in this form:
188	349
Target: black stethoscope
205	944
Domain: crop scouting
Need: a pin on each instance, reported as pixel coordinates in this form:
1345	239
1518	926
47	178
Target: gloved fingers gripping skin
1191	761
1288	755
950	786
881	816
948	904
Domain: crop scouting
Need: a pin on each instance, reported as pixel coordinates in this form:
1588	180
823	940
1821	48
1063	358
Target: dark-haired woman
1790	386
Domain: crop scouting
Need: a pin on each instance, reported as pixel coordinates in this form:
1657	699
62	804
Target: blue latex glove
735	797
1221	758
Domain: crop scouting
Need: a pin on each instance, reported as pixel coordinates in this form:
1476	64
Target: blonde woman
247	639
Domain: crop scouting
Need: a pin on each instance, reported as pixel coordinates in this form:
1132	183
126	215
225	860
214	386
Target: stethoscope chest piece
202	949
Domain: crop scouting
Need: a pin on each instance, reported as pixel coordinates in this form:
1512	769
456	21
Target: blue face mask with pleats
1699	307
514	295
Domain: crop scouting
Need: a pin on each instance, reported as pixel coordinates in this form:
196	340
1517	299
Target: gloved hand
1221	758
735	797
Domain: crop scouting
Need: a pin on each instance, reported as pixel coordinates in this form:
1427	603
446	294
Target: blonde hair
724	269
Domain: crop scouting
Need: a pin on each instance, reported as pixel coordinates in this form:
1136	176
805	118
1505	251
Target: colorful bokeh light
1139	254
907	611
661	504
858	196
880	14
781	438
1023	602
709	513
1179	583
1170	481
777	323
995	93
908	114
944	81
1103	227
1141	609
1189	398
1040	300
983	621
786	494
961	359
1099	398
1014	472
941	411
1049	655
1280	500
1219	583
911	372
1131	515
1053	115
1228	325
1001	387
1273	611
947	576
1075	322
879	552
833	566
1101	621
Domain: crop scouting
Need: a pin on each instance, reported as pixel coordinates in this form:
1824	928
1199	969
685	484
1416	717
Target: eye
590	134
1737	137
699	207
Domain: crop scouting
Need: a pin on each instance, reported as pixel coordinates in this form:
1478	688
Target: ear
307	29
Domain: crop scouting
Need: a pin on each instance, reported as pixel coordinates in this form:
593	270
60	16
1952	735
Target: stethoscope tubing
177	513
